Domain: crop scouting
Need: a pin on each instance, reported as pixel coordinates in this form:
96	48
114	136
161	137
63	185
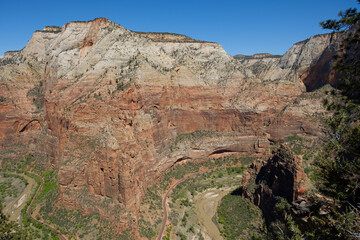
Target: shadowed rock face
308	61
282	175
112	109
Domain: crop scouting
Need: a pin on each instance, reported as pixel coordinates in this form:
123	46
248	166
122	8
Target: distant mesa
256	56
168	37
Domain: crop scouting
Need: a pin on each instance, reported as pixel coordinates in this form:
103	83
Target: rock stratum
112	109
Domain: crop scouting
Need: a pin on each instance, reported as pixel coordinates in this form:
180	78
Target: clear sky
241	27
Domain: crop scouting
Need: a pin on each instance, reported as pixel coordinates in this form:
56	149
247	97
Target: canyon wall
113	109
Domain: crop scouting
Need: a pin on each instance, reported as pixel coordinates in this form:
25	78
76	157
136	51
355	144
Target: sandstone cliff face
282	175
308	61
110	107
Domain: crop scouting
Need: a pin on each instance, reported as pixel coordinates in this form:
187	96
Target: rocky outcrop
113	109
309	61
282	175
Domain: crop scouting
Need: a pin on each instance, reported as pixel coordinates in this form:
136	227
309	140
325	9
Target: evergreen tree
338	165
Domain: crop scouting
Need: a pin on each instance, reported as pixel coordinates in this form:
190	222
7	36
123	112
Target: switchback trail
165	206
28	211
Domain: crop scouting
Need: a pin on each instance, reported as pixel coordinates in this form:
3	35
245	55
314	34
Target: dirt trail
206	204
28	210
164	203
13	209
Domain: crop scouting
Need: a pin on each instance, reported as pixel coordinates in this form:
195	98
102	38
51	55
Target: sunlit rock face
107	106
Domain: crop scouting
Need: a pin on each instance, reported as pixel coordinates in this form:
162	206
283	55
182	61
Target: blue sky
241	27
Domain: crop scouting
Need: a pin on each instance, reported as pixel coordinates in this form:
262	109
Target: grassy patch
238	217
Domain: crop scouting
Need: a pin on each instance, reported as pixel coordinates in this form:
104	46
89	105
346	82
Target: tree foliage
347	19
335	212
337	170
9	229
338	166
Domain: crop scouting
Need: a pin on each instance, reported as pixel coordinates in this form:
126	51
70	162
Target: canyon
113	109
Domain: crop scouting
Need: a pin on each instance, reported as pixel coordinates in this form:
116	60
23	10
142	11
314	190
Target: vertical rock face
282	175
111	108
308	61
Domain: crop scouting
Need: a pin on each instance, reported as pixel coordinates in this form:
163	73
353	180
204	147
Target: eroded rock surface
113	109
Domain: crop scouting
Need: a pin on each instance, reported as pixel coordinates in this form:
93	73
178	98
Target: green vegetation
215	179
246	57
34	228
11	185
337	171
10	229
219	172
238	217
146	230
31	162
72	223
37	95
120	85
5	61
168	232
347	19
181	170
183	216
98	97
306	147
296	143
181	235
333	210
174	37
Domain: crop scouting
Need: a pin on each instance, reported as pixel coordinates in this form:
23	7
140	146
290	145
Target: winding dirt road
28	210
164	205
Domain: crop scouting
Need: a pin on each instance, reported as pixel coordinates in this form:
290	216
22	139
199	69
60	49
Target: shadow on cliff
321	71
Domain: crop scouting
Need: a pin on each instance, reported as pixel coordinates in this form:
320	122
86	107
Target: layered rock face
309	61
112	109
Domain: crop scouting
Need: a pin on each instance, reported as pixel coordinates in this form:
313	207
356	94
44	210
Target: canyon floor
206	205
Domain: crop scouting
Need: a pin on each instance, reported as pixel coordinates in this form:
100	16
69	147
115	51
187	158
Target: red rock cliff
106	105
